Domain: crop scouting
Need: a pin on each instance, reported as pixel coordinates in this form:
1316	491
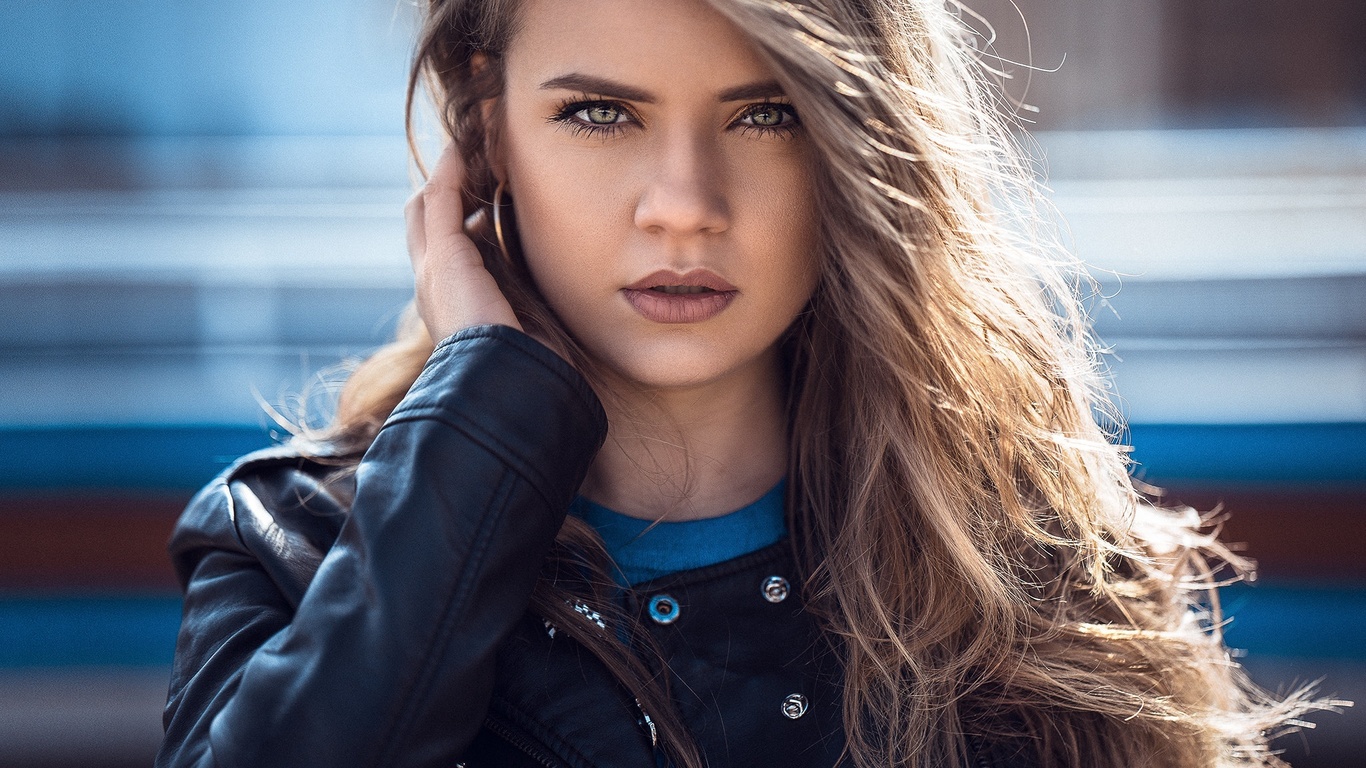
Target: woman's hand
454	291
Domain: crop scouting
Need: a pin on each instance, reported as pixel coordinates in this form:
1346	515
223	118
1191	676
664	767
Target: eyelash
566	116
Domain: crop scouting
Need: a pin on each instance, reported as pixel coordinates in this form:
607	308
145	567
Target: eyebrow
612	89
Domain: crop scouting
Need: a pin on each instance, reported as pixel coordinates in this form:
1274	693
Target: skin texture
621	185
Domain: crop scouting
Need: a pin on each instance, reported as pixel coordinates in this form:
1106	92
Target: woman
763	434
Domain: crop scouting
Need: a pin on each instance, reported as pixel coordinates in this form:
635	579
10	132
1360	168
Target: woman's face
661	185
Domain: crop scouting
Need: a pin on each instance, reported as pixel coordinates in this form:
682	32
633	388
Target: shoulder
281	507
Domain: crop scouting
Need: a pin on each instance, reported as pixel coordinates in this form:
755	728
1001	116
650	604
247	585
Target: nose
685	194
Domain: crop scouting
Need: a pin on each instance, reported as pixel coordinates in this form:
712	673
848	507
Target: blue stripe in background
1309	621
1312	621
1251	453
144	457
186	457
84	631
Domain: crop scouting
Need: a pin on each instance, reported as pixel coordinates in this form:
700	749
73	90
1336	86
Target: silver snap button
775	589
663	609
794	706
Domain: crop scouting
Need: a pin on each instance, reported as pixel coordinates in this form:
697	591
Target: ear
490	114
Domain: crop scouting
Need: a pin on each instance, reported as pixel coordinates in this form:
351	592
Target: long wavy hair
969	536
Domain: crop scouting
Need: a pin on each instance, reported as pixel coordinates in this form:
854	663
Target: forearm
388	659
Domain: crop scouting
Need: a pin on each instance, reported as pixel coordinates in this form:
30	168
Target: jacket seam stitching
576	385
420	688
508	457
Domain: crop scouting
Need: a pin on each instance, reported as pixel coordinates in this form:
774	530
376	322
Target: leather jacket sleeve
384	656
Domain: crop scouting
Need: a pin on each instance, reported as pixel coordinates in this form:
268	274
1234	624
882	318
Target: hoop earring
498	221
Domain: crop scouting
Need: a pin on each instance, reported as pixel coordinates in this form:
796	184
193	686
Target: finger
414	213
442	215
477	224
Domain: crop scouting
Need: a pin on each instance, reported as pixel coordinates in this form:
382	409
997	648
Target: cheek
781	202
568	220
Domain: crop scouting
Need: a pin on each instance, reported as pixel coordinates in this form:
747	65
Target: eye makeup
582	115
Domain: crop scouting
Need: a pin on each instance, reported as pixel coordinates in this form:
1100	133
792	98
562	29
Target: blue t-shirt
645	550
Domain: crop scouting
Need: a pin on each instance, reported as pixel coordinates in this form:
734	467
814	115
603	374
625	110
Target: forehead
658	45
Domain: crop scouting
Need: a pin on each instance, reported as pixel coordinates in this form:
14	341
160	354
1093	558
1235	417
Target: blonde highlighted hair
971	541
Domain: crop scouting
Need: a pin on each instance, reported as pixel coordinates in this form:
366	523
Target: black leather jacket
392	629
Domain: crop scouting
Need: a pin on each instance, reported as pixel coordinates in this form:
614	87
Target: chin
671	363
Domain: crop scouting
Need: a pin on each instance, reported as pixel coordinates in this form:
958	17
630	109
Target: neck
695	452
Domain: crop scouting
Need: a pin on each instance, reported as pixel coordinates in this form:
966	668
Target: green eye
602	114
770	119
767	117
593	117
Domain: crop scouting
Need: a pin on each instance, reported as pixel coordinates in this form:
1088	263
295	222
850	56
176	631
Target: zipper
528	746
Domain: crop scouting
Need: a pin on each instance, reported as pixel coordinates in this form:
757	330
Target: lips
697	278
670	297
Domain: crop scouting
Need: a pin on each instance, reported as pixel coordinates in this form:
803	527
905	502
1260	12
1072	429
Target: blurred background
200	209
